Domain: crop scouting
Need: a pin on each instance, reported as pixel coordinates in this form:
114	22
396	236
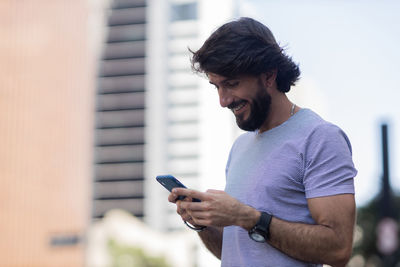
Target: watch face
257	237
260	231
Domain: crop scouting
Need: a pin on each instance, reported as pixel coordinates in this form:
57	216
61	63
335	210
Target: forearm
310	243
212	239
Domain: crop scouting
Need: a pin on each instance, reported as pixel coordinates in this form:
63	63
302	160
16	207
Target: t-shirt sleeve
329	168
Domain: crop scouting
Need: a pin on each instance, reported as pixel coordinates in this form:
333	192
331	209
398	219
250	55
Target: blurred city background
97	98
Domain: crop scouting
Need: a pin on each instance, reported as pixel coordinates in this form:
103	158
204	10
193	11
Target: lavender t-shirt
276	171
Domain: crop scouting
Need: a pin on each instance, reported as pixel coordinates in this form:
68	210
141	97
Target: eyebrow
224	81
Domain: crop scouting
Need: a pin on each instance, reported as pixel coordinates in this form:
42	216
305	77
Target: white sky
349	57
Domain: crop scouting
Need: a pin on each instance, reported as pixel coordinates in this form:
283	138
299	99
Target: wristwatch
260	231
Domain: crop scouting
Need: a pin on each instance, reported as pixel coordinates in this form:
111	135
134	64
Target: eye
232	84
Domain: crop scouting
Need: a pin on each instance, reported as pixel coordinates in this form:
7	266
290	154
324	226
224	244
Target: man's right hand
173	198
211	237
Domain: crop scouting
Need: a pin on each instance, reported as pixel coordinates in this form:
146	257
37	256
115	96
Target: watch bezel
258	237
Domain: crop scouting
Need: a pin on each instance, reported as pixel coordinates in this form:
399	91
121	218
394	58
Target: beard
259	110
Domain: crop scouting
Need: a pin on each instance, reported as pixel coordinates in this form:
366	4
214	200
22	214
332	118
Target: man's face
246	97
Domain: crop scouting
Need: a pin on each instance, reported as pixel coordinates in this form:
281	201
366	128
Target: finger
193	206
184	206
194	218
190	193
186	217
214	191
199	221
189	217
172	198
182	212
179	209
199	214
187	199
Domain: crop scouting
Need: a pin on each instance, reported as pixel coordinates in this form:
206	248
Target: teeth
239	106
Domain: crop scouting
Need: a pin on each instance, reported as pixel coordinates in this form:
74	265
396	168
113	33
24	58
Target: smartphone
170	182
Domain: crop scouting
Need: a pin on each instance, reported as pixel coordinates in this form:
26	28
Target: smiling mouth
238	107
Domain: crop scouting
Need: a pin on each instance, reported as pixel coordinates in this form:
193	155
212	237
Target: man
289	196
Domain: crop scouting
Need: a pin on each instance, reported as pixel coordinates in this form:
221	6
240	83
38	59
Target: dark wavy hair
245	46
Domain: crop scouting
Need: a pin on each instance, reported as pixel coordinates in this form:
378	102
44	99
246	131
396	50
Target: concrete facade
46	116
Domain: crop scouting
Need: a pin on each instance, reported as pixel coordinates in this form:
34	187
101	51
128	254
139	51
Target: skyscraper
187	135
120	111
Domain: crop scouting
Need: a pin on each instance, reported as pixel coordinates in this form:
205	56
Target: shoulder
328	135
326	130
316	129
317	136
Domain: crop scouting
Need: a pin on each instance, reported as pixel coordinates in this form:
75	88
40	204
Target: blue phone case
170	182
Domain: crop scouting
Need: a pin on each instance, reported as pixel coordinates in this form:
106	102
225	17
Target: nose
225	98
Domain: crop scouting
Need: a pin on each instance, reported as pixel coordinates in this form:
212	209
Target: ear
269	78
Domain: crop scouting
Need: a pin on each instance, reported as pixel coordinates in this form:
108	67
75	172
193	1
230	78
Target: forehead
218	79
215	78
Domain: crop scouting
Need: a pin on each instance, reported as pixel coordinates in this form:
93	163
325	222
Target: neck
280	111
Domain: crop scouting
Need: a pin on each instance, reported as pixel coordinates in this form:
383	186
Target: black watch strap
264	222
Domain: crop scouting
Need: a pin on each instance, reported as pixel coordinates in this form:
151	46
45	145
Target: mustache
235	104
